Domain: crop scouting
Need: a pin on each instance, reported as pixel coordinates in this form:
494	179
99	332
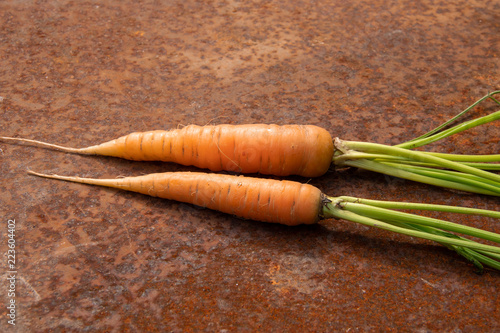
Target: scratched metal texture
79	73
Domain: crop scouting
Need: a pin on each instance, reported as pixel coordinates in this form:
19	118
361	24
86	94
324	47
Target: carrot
266	200
303	150
306	151
293	203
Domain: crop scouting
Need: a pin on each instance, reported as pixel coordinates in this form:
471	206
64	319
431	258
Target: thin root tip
34	173
41	144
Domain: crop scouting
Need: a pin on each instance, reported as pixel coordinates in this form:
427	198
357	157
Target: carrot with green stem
294	203
303	150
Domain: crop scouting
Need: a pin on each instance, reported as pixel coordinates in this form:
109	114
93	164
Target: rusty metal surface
95	259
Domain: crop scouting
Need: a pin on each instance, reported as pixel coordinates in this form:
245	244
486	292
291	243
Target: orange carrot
293	203
266	200
303	150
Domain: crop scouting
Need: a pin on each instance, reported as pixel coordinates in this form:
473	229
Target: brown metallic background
96	259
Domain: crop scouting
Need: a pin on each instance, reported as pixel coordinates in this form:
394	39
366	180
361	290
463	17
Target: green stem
437	129
487	260
416	156
476	257
400	173
354	155
452	176
400	161
482	166
376	213
421	206
467	158
471	179
454	130
339	159
334	212
467	253
383	214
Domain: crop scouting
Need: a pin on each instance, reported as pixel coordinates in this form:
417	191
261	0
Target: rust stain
79	73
